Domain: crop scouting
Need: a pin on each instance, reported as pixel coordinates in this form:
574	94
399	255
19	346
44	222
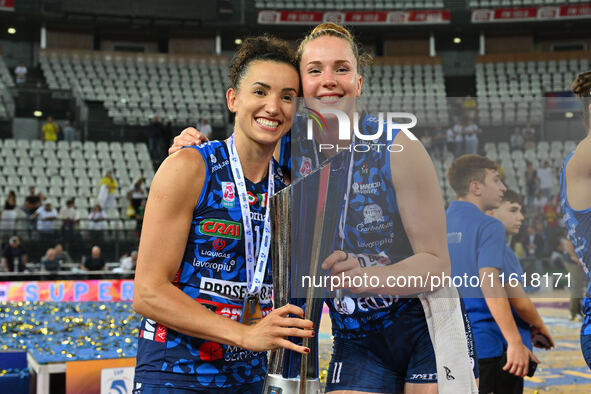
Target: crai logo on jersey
221	228
366	144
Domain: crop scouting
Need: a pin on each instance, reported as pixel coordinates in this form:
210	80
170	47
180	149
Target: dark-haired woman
575	201
203	279
8	214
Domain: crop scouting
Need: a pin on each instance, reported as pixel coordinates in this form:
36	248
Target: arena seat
6	100
390	83
511	87
136	87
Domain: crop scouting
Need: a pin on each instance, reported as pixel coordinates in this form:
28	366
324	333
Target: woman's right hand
189	136
271	332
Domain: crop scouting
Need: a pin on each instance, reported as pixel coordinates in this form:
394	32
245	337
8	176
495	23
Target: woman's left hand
344	269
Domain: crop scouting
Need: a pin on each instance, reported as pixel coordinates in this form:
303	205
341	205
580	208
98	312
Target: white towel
446	328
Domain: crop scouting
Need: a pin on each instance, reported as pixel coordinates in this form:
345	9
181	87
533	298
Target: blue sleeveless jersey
373	229
578	225
213	272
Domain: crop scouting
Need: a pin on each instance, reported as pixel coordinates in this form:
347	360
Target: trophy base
277	384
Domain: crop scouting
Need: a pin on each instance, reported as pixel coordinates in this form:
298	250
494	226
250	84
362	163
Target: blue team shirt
512	269
212	272
578	225
476	241
373	229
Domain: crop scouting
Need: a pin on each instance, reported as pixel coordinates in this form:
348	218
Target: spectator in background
136	194
49	130
551	213
32	203
427	141
45	216
128	263
450	140
94	262
519	249
458	130
558	257
97	219
469	107
531	182
534	249
206	128
529	142
438	141
8	213
20	73
546	241
106	197
471	131
69	132
10	202
516	140
529	133
539	202
50	262
68	216
14	257
62	255
546	176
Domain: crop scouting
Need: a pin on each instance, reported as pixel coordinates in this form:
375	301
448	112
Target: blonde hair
339	31
581	87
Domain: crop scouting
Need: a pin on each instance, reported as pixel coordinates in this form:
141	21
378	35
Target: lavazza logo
366	143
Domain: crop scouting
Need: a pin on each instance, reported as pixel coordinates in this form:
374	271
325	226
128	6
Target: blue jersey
373	230
512	269
285	153
476	241
578	225
213	272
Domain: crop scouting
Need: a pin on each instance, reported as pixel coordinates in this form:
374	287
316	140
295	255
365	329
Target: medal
255	265
251	310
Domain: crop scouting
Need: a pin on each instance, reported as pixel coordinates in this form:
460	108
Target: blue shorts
383	363
586	348
144	388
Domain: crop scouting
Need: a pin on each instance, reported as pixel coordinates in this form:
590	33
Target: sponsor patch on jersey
233	312
372	213
153	331
260	198
306	167
221	228
235	291
218	166
228	197
257	216
366	188
218	244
